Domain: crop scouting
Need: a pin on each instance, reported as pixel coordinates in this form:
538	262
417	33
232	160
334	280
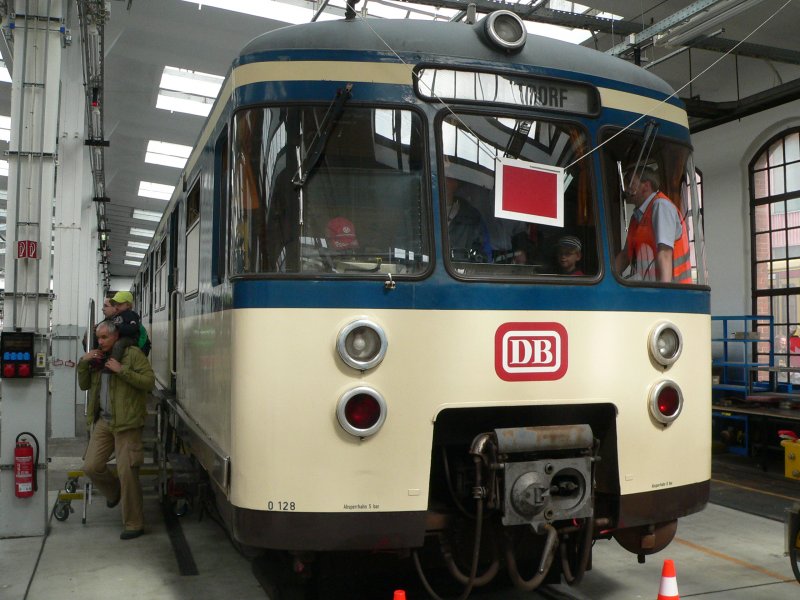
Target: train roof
413	37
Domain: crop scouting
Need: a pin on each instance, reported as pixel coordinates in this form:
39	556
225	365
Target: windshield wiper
306	167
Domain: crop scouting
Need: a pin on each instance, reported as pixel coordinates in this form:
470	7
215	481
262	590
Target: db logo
530	351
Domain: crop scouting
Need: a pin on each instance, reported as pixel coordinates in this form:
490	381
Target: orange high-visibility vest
641	233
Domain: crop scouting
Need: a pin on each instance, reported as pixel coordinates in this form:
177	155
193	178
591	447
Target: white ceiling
142	36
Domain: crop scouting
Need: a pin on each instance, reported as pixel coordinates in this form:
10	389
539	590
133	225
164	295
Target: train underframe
529	501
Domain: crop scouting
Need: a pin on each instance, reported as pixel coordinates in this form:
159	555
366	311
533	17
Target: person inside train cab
568	255
657	244
467	231
116	409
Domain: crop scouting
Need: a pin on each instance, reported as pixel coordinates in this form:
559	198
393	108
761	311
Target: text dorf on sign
27	249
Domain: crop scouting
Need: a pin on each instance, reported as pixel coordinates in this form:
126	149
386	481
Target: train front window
482	241
656	222
349	200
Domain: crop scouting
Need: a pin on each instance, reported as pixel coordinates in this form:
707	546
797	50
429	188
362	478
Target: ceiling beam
717	44
705	115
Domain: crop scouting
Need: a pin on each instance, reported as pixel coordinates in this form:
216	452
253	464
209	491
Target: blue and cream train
357	301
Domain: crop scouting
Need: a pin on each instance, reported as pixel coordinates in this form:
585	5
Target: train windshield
480	242
329	191
655	209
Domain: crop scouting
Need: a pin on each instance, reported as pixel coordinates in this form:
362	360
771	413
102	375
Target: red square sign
529	192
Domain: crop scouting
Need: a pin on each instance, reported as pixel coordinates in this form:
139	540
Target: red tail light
361	412
666	401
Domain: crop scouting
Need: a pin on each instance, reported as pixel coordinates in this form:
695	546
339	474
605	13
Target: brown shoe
129	534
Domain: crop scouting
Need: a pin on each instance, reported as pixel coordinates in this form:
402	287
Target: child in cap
568	253
128	323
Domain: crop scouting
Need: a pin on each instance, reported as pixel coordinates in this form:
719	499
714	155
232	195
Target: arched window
775	242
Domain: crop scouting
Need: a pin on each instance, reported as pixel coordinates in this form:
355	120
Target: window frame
426	203
764	299
502	110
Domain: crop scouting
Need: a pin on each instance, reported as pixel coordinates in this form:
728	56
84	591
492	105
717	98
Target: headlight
361	412
362	344
665	343
506	30
665	401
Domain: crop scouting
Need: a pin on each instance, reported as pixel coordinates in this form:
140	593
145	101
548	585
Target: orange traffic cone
399	595
669	583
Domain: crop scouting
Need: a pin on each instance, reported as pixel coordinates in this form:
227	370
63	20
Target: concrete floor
719	553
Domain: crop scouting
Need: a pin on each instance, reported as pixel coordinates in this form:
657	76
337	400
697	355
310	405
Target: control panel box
17	354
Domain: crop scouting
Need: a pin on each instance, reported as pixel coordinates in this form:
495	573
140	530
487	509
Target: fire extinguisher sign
27	249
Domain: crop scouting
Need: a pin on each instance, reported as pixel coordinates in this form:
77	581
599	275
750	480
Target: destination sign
500	88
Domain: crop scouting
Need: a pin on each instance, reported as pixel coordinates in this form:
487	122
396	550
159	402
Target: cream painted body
278	422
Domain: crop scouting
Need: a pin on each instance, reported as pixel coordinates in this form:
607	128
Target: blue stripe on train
443	293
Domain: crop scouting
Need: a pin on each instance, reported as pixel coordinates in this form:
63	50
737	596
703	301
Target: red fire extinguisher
25	466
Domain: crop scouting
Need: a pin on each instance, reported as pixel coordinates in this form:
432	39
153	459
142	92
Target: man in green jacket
118	393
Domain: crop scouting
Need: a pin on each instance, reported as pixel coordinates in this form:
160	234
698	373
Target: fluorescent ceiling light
148	233
133	263
139	245
192	92
146	215
268	9
159	191
708	20
185	103
190	82
134	254
162	153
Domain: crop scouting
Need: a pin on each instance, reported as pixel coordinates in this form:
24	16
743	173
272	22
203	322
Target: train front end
433	337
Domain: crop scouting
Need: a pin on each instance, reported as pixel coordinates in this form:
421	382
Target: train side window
652	191
160	280
220	217
192	279
145	306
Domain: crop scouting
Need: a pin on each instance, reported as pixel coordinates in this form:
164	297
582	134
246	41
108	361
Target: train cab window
485	241
655	217
191	283
320	191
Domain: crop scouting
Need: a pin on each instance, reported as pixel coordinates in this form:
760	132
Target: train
363	329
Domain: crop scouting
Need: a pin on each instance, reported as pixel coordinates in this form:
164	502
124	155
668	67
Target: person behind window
466	229
568	254
657	245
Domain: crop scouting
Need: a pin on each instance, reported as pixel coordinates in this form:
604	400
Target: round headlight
506	30
362	344
361	412
665	401
665	343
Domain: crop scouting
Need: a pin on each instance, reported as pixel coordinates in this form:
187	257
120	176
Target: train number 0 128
280	505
